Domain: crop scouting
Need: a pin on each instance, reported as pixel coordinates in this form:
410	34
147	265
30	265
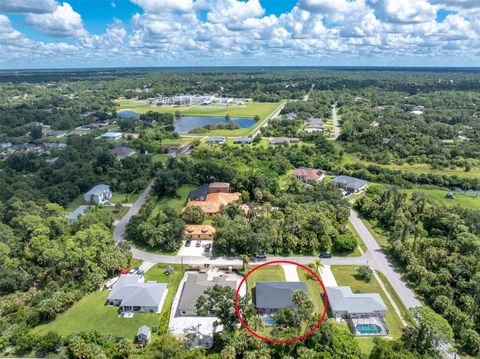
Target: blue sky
93	33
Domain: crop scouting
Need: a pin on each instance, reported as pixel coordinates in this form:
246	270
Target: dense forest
439	250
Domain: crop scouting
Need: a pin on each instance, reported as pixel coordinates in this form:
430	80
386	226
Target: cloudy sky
103	33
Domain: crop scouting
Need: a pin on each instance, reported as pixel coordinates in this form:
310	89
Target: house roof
123	152
277	295
309	174
111	135
214	201
243	139
195	286
350	182
143	330
199	192
130	290
277	140
77	213
216	139
97	190
193	229
342	299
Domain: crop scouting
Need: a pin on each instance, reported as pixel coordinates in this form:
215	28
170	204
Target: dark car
325	255
261	255
348	193
188	242
198	244
207	247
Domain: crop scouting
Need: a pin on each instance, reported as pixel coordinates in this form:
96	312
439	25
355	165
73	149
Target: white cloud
28	6
162	6
404	11
63	22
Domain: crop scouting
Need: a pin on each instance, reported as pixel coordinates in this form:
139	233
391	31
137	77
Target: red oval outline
281	341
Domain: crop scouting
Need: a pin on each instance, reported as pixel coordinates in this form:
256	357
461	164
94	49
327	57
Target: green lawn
314	289
270	273
124	197
72	206
91	313
160	157
176	203
345	275
116	215
437	197
359	240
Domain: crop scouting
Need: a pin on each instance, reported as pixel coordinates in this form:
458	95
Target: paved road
307	96
336	123
379	261
119	231
271	116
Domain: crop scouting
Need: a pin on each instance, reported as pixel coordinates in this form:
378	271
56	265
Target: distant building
199	232
200	193
55	145
276	141
80	211
272	296
309	174
242	140
195	286
122	152
114	136
216	140
100	194
363	311
350	184
291	116
5	145
56	133
132	294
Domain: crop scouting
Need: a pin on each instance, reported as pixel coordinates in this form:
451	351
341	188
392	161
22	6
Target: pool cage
368	325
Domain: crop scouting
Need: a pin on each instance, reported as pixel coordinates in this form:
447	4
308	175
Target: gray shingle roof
195	286
81	210
277	295
350	182
143	330
131	292
96	191
342	299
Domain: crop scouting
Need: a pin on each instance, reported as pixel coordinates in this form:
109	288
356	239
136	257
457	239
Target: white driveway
290	271
328	278
194	251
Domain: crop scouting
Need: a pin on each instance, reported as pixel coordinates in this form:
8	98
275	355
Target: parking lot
194	251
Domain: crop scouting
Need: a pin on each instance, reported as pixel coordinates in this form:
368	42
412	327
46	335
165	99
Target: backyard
91	313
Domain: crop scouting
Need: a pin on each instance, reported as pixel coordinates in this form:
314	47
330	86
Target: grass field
345	275
314	289
91	313
437	197
176	202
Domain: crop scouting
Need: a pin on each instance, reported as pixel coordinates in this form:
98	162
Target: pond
187	123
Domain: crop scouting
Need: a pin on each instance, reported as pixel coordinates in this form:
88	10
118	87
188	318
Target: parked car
140	272
198	244
325	255
207	247
261	255
188	242
348	193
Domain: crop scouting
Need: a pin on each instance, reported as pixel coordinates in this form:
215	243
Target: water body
469	191
128	114
187	123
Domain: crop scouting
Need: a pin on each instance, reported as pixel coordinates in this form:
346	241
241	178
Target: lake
187	123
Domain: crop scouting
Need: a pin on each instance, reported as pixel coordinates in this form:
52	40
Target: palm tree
245	260
315	266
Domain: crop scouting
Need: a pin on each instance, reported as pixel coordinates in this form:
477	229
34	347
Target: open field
175	202
345	275
91	313
437	197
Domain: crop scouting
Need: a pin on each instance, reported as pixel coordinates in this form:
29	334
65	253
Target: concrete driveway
291	274
194	251
327	276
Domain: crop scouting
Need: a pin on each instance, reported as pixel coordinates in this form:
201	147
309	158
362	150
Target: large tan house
211	197
199	232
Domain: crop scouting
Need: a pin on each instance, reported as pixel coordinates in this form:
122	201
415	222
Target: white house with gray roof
132	294
216	140
100	194
350	184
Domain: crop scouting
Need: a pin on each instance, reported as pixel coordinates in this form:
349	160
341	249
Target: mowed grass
270	273
437	197
91	313
314	289
345	276
176	203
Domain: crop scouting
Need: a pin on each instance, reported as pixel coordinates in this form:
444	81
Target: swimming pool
269	320
368	329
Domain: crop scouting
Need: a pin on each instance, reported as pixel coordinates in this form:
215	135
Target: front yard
270	273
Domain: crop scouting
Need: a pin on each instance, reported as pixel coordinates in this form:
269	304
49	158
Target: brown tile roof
199	229
308	174
214	201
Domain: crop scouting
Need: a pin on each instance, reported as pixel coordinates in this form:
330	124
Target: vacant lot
437	197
